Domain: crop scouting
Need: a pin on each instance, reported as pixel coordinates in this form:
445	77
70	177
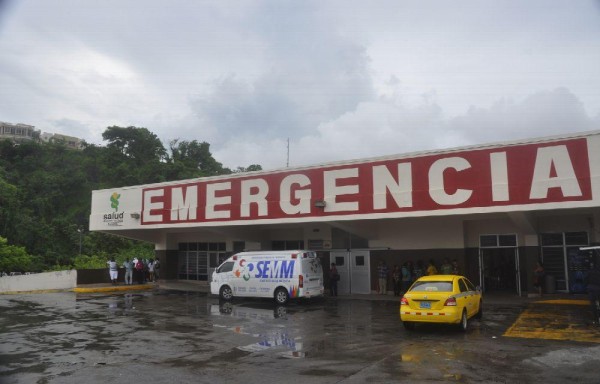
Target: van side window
226	267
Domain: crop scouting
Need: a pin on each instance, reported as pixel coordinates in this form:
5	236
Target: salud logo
114	218
114	201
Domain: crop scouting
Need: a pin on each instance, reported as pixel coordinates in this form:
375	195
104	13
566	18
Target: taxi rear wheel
408	325
464	321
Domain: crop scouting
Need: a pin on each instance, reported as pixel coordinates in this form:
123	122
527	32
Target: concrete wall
39	281
97	276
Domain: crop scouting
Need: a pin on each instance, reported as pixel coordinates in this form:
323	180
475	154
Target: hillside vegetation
45	194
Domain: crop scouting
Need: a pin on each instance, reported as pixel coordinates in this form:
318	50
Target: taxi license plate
425	305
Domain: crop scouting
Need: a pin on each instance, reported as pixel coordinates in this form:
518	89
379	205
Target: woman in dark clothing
334	277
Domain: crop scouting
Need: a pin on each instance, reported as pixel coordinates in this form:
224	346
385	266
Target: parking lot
180	336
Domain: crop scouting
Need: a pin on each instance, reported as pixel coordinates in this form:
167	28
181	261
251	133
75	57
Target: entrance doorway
499	264
354	269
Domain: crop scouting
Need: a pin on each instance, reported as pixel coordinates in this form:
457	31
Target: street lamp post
80	230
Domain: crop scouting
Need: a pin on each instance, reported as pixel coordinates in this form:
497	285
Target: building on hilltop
18	132
69	141
24	132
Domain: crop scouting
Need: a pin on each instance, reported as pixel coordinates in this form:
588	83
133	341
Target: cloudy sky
341	79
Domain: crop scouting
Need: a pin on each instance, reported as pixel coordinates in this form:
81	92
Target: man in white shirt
113	270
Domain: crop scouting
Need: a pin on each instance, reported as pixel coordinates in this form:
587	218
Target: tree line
45	194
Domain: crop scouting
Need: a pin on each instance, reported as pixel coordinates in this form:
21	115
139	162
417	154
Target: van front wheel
226	293
281	296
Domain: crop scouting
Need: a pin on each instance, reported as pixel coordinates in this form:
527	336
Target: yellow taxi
450	299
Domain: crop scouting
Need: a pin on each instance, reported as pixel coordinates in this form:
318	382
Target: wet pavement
177	333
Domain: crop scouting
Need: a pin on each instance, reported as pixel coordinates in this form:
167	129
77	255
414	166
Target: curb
35	291
112	288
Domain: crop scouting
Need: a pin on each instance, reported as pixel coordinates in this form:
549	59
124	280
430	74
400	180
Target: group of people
140	270
403	276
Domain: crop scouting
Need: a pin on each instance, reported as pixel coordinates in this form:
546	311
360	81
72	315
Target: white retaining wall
39	281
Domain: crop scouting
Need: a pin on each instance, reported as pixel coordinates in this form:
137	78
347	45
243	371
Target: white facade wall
424	233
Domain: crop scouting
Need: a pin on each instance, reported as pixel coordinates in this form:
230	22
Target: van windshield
225	267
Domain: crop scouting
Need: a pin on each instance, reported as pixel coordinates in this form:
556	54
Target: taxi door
467	297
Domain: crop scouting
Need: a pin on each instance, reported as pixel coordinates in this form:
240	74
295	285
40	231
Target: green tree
250	168
191	159
45	190
16	259
8	202
135	156
135	143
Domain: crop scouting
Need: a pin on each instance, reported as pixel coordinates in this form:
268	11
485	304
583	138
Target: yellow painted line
557	324
112	288
565	302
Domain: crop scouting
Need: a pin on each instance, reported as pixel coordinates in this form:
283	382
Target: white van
281	275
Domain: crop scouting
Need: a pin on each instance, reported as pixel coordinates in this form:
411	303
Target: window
359	261
432	286
195	259
496	241
555	249
488	241
462	286
550	239
339	260
507	240
227	267
286	245
576	238
470	285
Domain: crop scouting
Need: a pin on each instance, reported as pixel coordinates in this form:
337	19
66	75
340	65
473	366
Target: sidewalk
204	287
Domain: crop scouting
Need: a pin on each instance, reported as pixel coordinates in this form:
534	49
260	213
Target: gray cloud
540	114
342	79
389	126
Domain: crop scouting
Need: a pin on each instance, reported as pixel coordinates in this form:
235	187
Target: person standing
151	270
382	271
418	271
334	277
406	277
446	267
128	265
431	269
156	269
139	271
538	276
455	269
113	270
396	280
593	289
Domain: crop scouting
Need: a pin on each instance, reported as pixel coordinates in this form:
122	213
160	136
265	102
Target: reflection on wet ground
168	336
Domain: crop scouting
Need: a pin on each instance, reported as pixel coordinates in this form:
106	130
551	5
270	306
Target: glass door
499	269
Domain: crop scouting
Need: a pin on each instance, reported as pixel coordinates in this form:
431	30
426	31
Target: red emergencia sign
539	173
